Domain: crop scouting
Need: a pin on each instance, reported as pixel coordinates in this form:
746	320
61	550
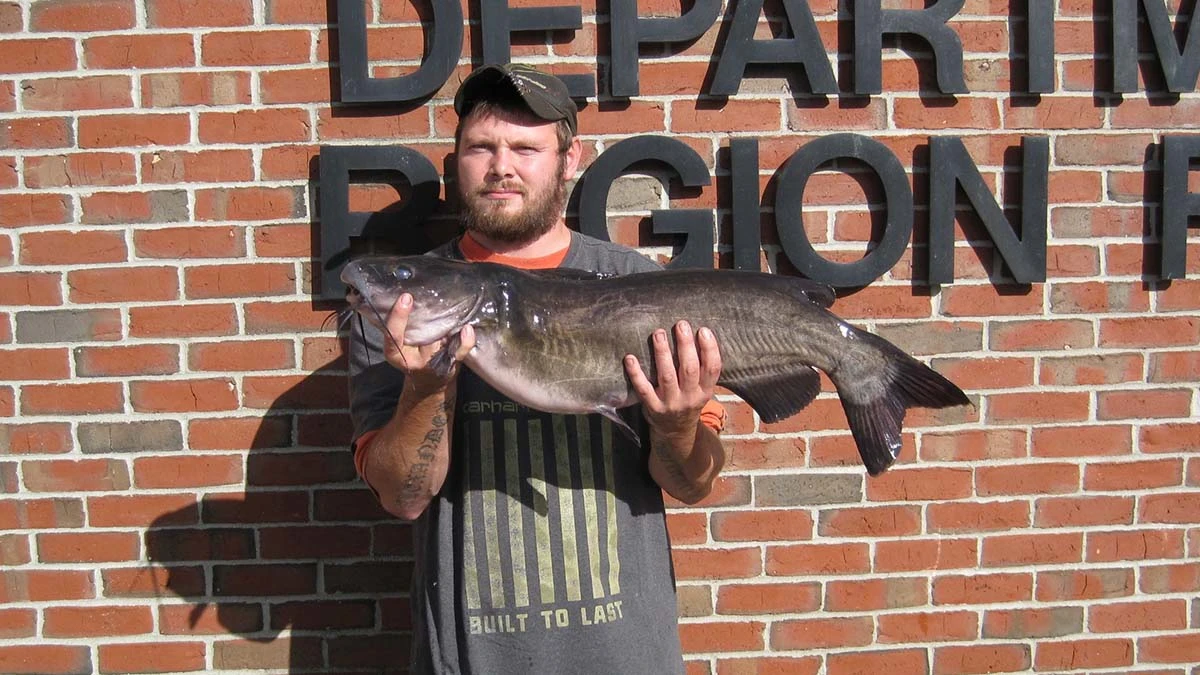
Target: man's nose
501	164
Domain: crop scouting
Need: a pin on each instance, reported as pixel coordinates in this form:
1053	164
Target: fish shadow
299	565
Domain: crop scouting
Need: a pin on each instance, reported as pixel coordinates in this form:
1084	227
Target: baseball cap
544	94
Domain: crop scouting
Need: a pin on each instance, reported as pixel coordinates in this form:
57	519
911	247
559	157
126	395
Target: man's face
511	175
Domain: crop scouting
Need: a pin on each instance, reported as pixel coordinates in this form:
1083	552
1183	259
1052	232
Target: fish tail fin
876	424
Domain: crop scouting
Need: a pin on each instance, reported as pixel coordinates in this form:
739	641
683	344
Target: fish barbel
554	340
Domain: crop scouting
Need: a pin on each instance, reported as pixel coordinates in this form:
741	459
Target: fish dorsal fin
569	274
777	392
815	292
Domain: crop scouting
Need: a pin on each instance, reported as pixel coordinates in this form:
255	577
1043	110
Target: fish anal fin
775	393
615	417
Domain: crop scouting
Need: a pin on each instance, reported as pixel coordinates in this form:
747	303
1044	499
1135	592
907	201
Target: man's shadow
304	549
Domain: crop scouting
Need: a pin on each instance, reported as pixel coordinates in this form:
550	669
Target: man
541	542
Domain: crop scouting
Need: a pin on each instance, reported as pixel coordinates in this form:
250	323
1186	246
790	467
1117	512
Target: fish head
446	294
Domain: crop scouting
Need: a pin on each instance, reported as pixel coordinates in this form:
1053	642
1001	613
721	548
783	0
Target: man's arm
686	456
405	462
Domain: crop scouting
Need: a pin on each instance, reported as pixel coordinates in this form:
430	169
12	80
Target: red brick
1092	370
31	288
1134	545
1083	511
1084	584
187	472
1125	617
1172	578
34	364
295	86
268	125
18	623
140	510
123	284
42	585
293	391
977	517
240	280
36	438
1040	335
121	130
776	598
36	55
726	636
885	521
217	241
1023	479
125	360
241	355
123	208
1032	549
821	633
955	660
198	13
35	208
32	133
14	549
190	321
1083	654
379	123
88	547
827	559
45	659
77	93
96	621
772	525
164	657
11	19
1179	508
81	16
914	661
1169	437
910	555
727	563
973	445
288	162
255	48
283	317
1082	441
1143	403
1035	407
1180	648
1133	476
170	90
75	475
240	433
1094	297
976	588
1149	332
322	352
136	50
213	620
194	395
861	595
248	203
928	627
204	166
80	168
920	484
75	398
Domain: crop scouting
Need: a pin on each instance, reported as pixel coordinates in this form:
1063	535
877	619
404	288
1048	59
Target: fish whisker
388	333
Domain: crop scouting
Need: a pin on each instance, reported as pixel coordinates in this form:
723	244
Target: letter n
951	167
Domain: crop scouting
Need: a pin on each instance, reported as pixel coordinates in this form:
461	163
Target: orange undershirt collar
473	251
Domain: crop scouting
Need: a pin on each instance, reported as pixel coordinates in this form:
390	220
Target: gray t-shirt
546	549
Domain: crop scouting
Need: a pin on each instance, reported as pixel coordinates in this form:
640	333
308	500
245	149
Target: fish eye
402	273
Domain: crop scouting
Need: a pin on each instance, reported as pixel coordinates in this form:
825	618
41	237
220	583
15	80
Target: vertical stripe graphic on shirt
566	508
491	524
587	484
541	522
473	499
610	503
512	491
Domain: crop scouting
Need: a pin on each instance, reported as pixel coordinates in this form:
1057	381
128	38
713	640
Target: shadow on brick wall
301	569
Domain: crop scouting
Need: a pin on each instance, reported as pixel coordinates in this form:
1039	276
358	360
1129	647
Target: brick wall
176	495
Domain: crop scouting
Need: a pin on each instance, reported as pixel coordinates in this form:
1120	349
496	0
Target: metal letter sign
498	22
445	46
628	31
1180	68
804	47
697	224
1178	205
950	167
871	22
789	205
339	223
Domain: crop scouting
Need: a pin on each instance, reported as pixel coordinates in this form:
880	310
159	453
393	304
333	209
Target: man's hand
418	362
672	405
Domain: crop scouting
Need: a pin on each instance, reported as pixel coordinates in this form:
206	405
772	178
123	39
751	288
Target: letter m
1180	67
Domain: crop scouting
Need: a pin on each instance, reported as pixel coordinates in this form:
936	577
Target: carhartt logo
491	407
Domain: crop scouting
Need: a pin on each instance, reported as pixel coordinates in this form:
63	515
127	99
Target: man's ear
574	156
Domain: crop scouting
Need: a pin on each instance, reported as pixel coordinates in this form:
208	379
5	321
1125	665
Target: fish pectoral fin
775	392
615	417
443	361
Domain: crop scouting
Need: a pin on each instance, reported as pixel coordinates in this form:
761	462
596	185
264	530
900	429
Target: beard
543	205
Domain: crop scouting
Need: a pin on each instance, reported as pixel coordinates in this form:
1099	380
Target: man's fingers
640	383
710	359
689	362
664	362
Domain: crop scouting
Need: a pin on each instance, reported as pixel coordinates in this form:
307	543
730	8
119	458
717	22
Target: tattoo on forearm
427	451
673	466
